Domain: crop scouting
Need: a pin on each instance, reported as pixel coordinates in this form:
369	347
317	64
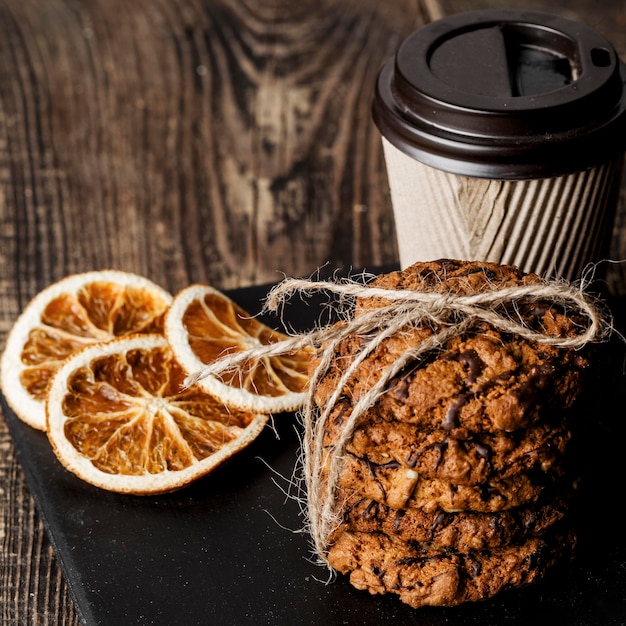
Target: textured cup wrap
552	226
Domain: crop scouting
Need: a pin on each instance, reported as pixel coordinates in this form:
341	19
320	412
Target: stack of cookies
456	483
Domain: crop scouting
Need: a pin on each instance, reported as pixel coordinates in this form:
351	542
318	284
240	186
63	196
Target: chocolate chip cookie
401	487
479	458
483	380
425	576
463	531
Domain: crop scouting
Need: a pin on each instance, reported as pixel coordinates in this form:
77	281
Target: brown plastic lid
504	94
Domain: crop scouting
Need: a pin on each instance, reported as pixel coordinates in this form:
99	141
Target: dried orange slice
120	419
78	310
203	325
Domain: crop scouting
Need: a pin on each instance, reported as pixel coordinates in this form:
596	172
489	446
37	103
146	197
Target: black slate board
227	549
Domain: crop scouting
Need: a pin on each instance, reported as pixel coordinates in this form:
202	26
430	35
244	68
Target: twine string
321	499
447	314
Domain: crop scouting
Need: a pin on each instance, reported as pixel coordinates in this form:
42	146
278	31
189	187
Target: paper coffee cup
504	134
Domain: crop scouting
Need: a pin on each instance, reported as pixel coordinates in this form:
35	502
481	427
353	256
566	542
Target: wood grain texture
222	141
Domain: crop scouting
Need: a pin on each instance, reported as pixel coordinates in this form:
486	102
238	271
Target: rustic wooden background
223	141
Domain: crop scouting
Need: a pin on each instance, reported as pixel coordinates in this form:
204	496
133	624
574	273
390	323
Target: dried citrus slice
120	418
203	325
76	311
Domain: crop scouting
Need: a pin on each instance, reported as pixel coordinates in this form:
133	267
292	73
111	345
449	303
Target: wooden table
219	141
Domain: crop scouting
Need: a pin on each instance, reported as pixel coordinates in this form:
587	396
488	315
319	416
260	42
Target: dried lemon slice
120	419
203	325
78	310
